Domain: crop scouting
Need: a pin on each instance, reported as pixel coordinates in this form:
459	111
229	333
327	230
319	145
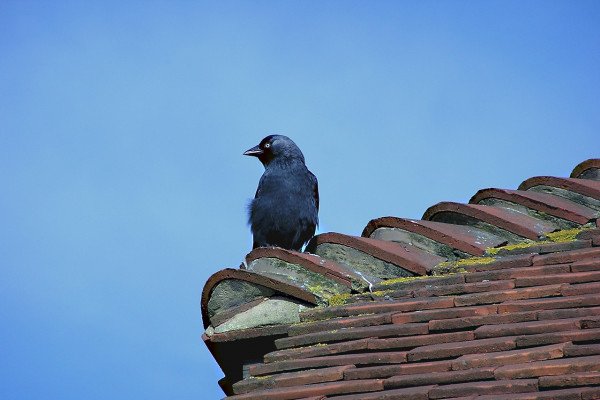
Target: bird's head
275	147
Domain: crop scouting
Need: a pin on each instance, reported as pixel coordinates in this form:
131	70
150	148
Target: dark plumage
285	207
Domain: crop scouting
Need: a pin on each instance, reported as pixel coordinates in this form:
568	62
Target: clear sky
122	127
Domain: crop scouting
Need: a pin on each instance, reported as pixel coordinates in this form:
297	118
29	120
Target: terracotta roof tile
418	393
575	379
586	300
446	350
588	169
583	191
505	223
569	277
386	371
405	257
509	357
297	378
317	350
566	256
473	374
414	232
423	340
337	335
507	295
548	367
395	357
488	320
543	204
297	392
518	321
423	303
483	388
582	335
329	269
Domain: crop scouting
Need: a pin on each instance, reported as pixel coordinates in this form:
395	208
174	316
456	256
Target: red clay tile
549	279
568	313
509	357
339	323
251	333
337	335
421	282
475	287
583	288
296	392
404	256
224	316
466	322
507	295
576	379
291	379
585	300
446	350
456	312
483	388
585	187
279	286
475	374
589	393
456	236
590	322
559	366
586	167
577	350
386	371
516	223
337	272
403	305
583	335
566	257
586	265
317	350
394	357
560	394
587	234
546	248
418	393
510	261
511	273
423	340
527	328
542	202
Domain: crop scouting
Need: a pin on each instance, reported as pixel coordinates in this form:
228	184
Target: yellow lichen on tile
567	235
403	279
528	243
339	299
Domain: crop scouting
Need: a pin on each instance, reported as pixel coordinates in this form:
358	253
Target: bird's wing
315	189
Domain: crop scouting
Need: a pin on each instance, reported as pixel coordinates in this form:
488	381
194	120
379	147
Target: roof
498	298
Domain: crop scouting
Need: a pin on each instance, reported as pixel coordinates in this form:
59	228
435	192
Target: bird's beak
255	151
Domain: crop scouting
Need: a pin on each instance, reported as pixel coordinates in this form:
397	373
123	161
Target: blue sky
122	125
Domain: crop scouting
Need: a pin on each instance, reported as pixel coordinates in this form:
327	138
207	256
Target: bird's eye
267	145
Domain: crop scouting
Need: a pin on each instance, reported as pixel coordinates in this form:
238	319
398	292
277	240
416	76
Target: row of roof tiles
271	301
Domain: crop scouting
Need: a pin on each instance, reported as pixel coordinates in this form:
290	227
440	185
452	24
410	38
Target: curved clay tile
407	257
589	169
584	187
542	202
312	262
248	276
516	223
460	237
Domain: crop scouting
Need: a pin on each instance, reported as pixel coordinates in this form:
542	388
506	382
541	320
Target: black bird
285	207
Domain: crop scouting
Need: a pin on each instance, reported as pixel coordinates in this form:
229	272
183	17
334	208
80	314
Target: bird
284	211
